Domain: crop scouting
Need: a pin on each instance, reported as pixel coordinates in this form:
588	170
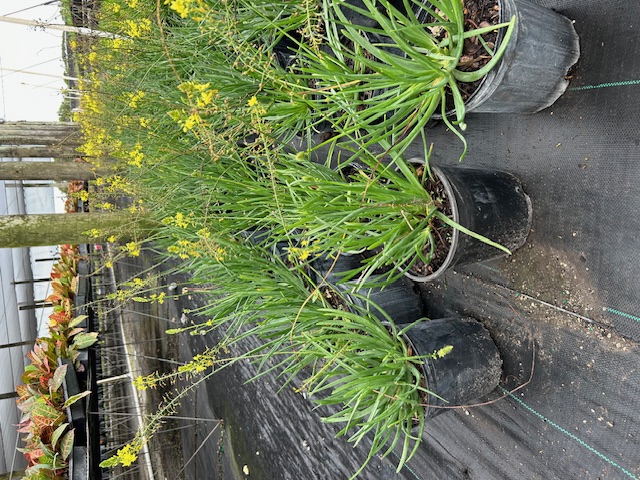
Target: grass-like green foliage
383	83
343	356
198	109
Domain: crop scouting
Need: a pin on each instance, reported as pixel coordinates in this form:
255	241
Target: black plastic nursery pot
532	73
471	370
399	300
487	202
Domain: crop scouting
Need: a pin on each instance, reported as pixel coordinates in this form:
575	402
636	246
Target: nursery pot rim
454	216
426	372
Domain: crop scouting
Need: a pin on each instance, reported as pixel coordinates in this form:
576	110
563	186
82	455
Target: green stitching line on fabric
606	85
409	468
622	314
571	436
406	466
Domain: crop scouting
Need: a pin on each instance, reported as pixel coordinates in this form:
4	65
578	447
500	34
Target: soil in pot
443	233
477	14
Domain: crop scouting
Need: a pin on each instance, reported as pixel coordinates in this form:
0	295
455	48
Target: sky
26	96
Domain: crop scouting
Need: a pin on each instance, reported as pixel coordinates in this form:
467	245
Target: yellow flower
92	57
134	98
105	206
127	455
180	220
182	7
111	238
132	249
304	254
219	254
191	121
158	298
204	232
206	98
143	383
137	30
136	156
118	43
253	101
108	264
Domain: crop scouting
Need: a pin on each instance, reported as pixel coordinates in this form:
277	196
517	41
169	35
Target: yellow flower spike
127	455
132	249
180	221
105	206
134	98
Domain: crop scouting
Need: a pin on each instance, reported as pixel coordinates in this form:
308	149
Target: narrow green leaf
74	398
77	321
84	340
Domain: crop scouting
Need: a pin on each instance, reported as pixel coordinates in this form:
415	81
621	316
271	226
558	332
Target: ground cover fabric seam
571	435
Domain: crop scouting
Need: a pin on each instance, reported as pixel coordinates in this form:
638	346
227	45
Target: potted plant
53	415
400	298
383	76
398	216
378	380
48	442
489	203
52	419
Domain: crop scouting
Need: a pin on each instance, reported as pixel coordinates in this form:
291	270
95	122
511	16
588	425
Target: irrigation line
547	304
167	417
145	356
157	317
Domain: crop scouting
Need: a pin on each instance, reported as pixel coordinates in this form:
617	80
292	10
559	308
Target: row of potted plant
248	201
46	398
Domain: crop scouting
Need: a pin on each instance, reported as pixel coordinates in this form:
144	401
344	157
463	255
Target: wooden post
60	228
30	151
40	133
57	171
